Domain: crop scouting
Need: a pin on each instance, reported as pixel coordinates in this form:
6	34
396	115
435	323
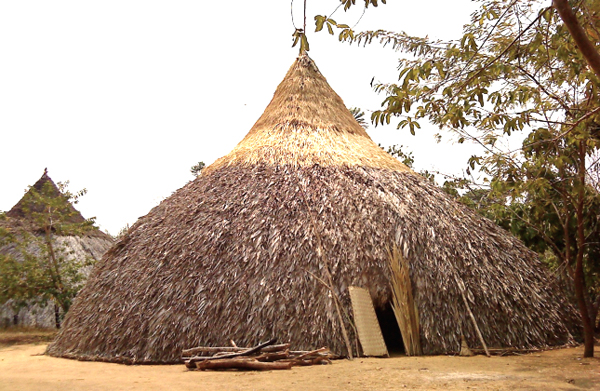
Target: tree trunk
588	326
54	270
579	280
56	316
594	314
586	47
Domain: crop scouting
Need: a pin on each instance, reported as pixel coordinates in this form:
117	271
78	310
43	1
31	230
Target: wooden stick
275	348
311	353
273	356
230	349
321	254
461	287
327	353
242	362
308	361
210	350
507	351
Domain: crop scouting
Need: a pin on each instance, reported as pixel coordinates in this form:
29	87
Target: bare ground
24	367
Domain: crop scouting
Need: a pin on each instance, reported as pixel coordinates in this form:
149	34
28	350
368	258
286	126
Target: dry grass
403	303
25	335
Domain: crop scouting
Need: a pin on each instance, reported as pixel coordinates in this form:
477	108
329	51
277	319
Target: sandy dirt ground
24	367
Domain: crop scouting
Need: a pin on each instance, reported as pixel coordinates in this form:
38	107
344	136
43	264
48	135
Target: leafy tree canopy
196	169
35	266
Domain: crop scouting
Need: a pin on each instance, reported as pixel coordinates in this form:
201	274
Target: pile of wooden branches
263	357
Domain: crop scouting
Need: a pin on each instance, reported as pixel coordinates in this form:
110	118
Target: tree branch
514	41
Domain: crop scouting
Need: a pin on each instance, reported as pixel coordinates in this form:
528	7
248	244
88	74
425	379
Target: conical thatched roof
19	214
18	211
242	252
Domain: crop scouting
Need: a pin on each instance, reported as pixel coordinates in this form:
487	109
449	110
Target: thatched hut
266	239
93	244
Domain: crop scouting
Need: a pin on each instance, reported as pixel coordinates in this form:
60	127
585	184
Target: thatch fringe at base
116	359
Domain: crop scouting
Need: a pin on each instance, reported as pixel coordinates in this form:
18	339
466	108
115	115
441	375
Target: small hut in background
267	241
93	244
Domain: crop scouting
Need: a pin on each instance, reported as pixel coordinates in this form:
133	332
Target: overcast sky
123	97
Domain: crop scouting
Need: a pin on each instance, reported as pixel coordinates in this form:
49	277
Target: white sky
122	97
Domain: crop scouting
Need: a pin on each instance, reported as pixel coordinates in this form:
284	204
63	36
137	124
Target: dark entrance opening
390	330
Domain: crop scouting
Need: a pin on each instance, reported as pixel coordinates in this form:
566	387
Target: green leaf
330	29
296	36
319	21
304	47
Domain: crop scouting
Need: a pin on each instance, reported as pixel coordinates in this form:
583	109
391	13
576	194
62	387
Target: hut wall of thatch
39	315
243	251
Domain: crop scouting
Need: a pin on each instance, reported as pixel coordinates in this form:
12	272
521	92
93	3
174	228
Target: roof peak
18	211
308	123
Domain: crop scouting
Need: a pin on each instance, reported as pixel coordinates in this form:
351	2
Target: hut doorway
403	305
390	330
381	331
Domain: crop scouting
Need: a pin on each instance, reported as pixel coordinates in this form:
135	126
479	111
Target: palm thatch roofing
243	252
19	211
19	216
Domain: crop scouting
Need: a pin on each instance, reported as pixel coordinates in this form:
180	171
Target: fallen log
310	353
275	348
309	361
273	356
242	363
221	354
